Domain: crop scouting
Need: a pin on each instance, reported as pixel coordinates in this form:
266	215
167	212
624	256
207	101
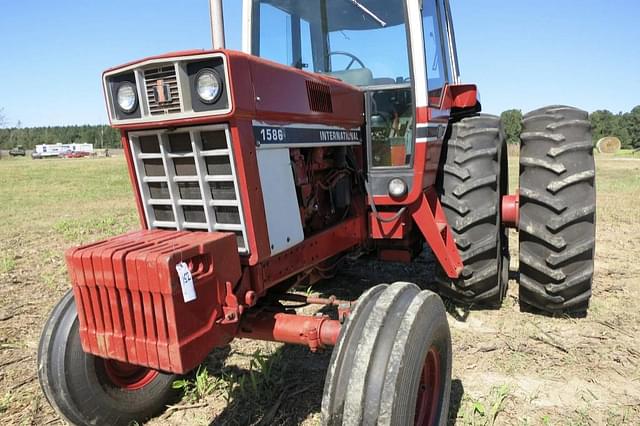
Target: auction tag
186	282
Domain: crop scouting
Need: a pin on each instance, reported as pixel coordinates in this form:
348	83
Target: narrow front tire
88	390
392	363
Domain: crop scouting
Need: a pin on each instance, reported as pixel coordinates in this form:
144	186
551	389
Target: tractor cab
400	53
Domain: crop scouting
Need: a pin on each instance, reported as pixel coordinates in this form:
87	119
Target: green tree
604	123
512	124
631	123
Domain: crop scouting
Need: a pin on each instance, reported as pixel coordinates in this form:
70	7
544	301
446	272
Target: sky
522	54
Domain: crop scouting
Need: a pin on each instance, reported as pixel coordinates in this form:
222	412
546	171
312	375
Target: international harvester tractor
342	127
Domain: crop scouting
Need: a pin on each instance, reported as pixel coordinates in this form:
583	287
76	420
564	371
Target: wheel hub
429	390
127	376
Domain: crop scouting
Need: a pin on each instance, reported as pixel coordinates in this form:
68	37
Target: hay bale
609	145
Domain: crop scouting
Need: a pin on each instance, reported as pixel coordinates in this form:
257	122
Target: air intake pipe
217	24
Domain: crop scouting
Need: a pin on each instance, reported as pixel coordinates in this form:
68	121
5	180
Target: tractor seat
357	77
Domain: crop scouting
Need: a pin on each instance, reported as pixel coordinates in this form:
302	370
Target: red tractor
342	127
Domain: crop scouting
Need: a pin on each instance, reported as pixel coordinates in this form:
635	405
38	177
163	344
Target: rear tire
392	363
473	179
85	389
557	211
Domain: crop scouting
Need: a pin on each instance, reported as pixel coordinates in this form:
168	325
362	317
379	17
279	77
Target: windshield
363	42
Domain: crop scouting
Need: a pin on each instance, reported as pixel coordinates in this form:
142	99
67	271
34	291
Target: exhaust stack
217	24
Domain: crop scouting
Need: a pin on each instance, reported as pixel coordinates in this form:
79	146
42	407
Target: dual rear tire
473	179
557	211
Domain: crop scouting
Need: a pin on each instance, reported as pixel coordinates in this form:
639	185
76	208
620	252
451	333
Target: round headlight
126	97
208	85
397	188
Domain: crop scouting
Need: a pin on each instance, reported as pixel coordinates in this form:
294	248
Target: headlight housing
126	97
208	85
397	188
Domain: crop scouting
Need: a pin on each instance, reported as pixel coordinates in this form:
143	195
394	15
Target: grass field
509	367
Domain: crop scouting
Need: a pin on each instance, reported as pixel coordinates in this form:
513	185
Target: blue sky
522	54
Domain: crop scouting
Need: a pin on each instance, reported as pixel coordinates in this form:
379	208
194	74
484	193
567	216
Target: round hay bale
609	145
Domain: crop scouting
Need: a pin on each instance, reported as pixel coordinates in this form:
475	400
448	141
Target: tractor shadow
455	402
356	276
283	388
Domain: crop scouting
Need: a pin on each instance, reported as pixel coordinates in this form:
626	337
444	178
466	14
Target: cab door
440	69
436	52
413	158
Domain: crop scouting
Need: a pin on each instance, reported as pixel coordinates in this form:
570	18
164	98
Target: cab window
363	43
275	35
434	50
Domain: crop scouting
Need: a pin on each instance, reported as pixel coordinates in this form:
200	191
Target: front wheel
86	389
392	363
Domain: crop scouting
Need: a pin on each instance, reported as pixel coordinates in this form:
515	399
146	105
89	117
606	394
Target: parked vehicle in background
76	154
73	150
17	151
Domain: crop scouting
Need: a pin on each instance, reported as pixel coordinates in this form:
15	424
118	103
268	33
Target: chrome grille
187	179
161	87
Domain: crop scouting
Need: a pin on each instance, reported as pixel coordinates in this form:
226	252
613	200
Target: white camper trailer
62	150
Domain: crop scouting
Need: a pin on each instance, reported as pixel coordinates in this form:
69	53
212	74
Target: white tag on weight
186	282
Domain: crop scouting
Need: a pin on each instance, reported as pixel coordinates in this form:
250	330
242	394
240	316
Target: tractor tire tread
458	205
569	217
473	155
557	211
471	205
557	168
478	215
457	171
539	231
472	185
547	201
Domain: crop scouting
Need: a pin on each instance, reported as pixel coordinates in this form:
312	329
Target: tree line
101	136
624	126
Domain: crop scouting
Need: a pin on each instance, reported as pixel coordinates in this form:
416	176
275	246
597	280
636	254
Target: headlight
126	97
397	188
208	85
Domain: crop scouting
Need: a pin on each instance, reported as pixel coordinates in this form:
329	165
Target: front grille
319	97
187	179
161	86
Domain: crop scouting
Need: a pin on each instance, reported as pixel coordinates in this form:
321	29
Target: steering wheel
353	57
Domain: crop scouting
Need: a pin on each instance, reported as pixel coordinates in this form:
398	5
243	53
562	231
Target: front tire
392	363
86	389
